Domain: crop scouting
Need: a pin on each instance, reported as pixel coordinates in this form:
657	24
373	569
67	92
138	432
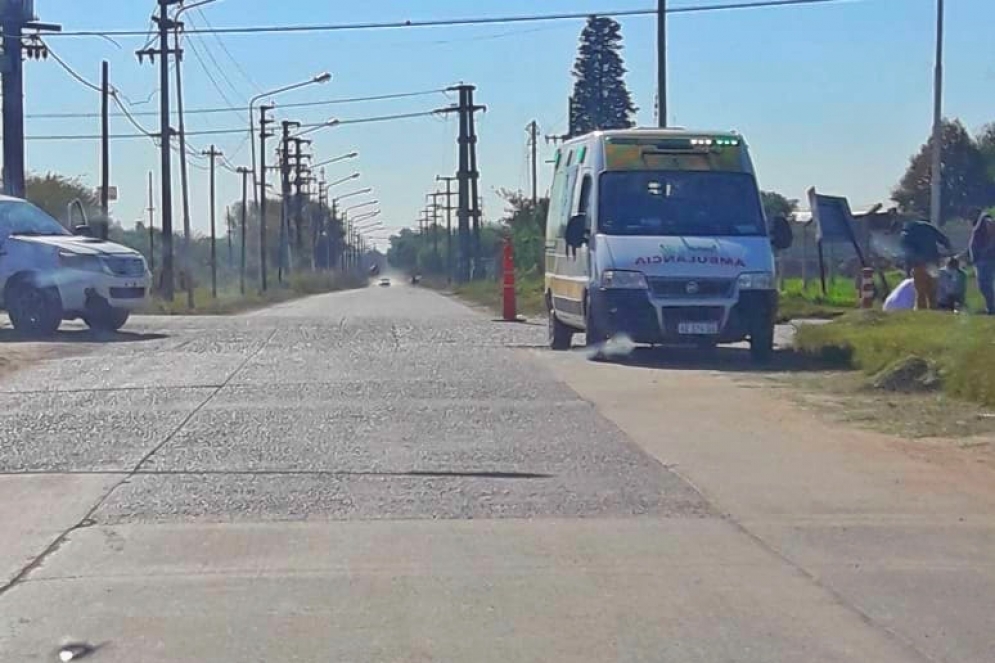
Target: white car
385	281
48	274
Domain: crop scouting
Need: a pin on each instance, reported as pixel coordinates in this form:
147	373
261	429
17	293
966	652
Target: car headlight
81	261
618	280
756	281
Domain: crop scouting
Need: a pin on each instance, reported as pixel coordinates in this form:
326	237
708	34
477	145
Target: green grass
528	294
229	300
798	301
962	346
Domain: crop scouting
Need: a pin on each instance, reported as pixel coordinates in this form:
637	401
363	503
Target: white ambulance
659	234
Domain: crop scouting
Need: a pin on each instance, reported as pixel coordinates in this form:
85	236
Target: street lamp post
348	178
343	157
335	201
315	80
324	125
357	206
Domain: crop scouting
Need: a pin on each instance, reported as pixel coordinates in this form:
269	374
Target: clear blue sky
837	96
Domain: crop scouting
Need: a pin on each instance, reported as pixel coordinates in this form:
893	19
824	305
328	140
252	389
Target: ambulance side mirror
781	235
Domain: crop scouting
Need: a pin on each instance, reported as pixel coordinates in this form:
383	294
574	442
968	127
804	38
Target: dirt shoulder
17	354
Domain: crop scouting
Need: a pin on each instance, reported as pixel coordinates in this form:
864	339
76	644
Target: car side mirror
576	234
83	231
781	235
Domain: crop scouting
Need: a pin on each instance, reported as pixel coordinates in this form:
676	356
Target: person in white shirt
902	298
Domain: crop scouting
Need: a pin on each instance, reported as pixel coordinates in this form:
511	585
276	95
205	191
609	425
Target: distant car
385	281
48	275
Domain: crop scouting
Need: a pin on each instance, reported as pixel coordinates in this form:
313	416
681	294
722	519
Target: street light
367	216
347	178
357	192
357	206
350	155
321	78
367	221
310	130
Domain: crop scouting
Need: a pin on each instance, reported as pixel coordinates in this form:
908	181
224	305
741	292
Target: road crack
88	519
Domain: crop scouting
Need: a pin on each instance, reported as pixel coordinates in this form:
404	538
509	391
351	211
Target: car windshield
667	203
19	217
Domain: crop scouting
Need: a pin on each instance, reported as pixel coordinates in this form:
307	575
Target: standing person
921	244
982	249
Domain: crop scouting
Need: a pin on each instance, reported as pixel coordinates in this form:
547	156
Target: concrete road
386	475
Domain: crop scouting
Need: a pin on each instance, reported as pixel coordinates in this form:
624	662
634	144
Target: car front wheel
109	319
34	310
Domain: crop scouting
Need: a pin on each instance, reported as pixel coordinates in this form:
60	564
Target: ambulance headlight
756	281
621	280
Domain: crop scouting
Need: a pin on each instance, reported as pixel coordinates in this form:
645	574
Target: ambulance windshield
669	203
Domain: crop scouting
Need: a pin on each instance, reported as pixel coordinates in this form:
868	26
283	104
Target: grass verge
229	300
528	294
962	347
799	301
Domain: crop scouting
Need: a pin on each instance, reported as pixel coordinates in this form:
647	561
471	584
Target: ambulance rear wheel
560	336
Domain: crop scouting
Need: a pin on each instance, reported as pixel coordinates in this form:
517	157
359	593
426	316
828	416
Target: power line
238	65
73	73
222	132
217	65
214	82
456	22
243	109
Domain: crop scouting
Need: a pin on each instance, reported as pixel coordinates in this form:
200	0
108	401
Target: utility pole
263	135
936	169
661	63
302	176
474	179
184	177
165	138
533	130
287	125
244	172
449	224
151	211
105	148
15	17
435	223
467	205
230	228
213	155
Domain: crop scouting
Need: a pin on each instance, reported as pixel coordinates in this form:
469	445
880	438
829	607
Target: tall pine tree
600	99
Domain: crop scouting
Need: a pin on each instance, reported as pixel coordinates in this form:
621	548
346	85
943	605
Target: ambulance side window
584	201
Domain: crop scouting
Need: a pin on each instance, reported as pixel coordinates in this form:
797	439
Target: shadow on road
9	335
726	359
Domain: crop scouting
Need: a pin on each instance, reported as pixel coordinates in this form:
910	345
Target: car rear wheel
34	310
109	319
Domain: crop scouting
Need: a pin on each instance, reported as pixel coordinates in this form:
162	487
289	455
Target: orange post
509	309
866	287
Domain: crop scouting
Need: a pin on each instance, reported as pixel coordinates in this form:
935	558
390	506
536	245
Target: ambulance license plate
697	328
